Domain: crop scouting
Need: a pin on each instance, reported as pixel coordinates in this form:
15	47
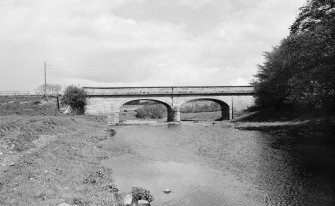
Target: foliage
50	88
142	194
194	108
300	72
314	14
153	111
76	98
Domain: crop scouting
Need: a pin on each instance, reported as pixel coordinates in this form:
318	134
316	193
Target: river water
208	164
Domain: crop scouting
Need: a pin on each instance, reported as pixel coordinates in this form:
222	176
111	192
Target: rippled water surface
206	164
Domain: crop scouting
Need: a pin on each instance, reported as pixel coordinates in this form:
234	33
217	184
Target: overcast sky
138	42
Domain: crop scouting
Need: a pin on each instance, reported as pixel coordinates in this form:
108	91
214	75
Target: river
212	164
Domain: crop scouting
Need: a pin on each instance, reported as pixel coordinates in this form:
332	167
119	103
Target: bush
153	111
192	107
76	98
141	194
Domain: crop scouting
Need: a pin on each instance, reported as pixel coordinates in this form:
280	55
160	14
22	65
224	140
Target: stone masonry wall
108	101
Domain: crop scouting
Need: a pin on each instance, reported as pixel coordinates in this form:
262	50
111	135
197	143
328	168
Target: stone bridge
108	101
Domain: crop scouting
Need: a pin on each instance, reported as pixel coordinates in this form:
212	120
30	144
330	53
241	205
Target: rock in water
128	200
167	191
143	203
64	204
111	131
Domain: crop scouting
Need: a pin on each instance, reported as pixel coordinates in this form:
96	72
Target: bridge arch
225	108
169	108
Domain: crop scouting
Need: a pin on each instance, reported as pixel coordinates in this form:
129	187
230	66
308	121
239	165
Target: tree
314	14
300	72
314	84
76	98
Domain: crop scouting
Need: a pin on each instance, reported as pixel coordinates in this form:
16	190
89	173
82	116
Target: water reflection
212	165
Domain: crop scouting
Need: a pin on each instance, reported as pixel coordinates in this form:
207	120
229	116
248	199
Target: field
27	105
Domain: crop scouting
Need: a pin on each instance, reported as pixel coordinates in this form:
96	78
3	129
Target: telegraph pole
45	79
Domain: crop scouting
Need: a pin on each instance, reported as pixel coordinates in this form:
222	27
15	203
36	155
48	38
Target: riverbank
49	160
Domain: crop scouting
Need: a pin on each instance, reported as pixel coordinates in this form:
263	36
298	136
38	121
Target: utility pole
45	79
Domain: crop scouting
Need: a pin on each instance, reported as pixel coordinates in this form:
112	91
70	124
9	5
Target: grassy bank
52	159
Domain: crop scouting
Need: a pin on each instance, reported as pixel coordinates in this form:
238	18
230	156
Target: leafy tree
271	85
76	98
300	71
314	84
314	14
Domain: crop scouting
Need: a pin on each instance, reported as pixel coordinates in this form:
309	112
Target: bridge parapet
168	91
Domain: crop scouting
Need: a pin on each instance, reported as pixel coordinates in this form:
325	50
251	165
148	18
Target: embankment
47	158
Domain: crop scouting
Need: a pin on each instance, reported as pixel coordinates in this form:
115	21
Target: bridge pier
173	114
176	114
114	118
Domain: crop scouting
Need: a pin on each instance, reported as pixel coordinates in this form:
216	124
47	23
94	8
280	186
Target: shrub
153	111
192	107
141	194
76	98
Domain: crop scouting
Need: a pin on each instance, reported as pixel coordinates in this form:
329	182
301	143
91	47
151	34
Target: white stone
63	204
66	110
127	200
143	203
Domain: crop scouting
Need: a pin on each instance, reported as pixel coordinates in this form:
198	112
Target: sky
138	42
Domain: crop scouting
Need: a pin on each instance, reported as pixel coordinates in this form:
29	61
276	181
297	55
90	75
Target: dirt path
49	160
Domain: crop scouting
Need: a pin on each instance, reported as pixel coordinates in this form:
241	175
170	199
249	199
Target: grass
47	158
27	105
